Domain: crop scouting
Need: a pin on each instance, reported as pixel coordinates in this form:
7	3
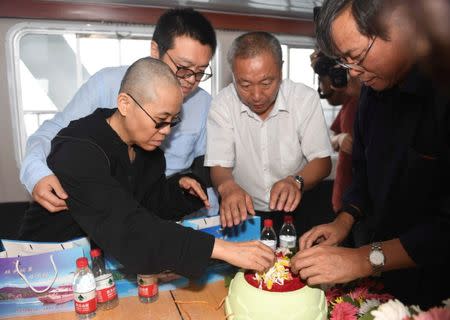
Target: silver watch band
375	248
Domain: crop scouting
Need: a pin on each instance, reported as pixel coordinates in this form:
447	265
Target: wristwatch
376	258
300	181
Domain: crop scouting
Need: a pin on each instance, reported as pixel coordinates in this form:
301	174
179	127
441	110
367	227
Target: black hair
183	22
368	15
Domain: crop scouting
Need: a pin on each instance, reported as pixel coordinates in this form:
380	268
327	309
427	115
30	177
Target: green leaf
367	316
350	300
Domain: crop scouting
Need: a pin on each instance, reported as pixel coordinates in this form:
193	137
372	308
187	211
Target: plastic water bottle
288	235
106	288
268	235
84	290
147	287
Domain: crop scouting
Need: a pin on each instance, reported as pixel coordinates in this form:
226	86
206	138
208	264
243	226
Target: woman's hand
193	187
253	255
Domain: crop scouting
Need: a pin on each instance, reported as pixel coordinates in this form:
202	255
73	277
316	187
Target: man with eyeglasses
401	160
183	39
113	170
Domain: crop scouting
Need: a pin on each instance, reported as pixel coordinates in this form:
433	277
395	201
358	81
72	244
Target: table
164	308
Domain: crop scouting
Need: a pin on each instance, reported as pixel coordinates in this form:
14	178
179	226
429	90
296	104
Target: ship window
297	67
50	61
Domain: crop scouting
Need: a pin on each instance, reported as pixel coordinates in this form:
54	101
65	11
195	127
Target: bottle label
148	291
288	241
270	243
106	289
85	302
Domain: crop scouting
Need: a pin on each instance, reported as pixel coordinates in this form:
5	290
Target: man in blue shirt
186	42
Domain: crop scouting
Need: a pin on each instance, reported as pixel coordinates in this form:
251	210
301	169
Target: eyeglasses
184	72
158	125
357	64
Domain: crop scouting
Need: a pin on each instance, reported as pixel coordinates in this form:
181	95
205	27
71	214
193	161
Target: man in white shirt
183	39
267	139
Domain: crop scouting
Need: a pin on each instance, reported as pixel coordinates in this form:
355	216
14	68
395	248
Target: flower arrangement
364	301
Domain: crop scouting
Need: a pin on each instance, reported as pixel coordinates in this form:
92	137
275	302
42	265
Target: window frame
21	29
299	42
305	42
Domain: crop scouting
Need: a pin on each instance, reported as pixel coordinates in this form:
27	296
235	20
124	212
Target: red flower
359	293
344	311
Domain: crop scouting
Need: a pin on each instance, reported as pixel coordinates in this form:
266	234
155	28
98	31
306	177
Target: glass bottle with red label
84	295
106	288
147	287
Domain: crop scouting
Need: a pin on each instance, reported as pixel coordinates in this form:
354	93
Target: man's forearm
220	176
315	171
34	166
395	257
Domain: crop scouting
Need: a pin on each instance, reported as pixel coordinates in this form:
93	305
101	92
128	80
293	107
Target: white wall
11	189
225	38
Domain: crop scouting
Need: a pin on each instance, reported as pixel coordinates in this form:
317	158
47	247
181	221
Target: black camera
328	67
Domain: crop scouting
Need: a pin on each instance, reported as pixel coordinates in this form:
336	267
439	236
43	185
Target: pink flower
434	314
344	311
359	293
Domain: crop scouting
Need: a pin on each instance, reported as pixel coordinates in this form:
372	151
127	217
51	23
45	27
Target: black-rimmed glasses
184	72
357	64
158	125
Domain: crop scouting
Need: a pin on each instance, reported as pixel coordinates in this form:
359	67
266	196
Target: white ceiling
280	8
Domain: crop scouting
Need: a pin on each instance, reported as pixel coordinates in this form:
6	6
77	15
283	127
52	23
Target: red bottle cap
288	219
268	223
96	253
82	262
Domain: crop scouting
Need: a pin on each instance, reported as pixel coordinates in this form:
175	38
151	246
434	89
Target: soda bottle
147	287
268	235
288	235
84	290
106	288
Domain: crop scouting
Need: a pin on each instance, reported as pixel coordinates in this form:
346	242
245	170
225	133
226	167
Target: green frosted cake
275	294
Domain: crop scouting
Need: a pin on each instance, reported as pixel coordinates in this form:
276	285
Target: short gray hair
252	44
144	76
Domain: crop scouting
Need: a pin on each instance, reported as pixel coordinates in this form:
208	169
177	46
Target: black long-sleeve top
401	177
122	206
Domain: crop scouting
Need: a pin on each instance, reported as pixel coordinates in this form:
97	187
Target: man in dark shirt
113	171
400	160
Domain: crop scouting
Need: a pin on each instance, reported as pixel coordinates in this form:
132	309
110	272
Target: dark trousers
314	209
276	216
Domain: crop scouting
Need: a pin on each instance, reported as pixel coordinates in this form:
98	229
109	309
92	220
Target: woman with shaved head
112	168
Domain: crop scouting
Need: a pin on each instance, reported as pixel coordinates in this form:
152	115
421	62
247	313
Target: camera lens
323	65
338	77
